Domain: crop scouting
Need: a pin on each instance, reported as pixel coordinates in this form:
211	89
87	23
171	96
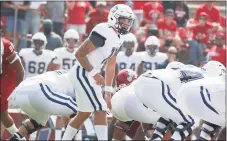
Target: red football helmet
125	77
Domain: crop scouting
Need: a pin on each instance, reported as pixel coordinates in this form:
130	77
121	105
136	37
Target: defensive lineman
38	60
208	98
12	73
42	96
101	47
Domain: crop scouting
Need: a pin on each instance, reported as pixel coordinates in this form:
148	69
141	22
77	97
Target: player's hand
99	79
107	97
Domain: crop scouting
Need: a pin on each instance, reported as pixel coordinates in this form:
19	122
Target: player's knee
31	125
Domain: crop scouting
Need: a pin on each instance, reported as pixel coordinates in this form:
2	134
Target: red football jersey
8	50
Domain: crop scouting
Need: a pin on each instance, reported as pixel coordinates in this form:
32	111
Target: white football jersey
151	62
175	78
36	64
58	81
113	42
128	62
67	59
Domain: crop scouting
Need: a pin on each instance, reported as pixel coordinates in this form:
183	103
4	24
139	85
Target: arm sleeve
97	39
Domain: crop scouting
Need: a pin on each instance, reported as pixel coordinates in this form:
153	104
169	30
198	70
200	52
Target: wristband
93	72
109	89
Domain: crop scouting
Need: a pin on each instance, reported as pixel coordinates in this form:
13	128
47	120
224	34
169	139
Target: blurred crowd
193	39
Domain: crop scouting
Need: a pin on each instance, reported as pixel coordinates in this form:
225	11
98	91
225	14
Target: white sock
58	133
101	132
12	129
177	136
70	132
204	134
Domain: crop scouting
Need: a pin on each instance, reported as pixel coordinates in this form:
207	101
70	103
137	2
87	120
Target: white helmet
71	34
130	42
152	45
213	69
36	38
116	13
175	65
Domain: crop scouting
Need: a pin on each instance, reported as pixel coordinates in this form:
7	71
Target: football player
37	60
208	98
124	100
99	48
151	57
42	96
128	59
12	73
157	90
66	54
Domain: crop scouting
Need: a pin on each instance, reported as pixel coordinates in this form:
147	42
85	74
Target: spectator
168	5
222	22
98	15
218	51
181	13
32	21
167	28
183	49
138	10
32	18
201	31
77	11
56	10
152	11
210	9
172	56
53	40
21	6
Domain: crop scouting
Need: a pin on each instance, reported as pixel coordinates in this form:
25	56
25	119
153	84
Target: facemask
47	30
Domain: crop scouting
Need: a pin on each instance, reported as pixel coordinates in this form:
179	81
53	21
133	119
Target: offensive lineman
101	47
128	59
164	84
38	60
66	54
124	100
42	96
208	98
12	73
151	57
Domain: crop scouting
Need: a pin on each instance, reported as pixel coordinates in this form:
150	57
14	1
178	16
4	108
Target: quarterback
100	48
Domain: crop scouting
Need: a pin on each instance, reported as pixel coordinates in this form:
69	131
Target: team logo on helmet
130	76
115	9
